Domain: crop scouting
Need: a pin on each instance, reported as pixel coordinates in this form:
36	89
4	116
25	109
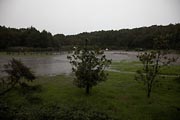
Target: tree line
31	38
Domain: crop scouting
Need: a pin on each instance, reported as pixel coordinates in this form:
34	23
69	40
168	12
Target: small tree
15	71
152	62
88	66
149	71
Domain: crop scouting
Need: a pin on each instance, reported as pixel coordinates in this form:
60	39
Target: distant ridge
113	39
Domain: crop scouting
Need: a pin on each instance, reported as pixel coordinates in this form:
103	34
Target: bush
51	112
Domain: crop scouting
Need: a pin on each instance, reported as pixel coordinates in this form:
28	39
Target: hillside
114	39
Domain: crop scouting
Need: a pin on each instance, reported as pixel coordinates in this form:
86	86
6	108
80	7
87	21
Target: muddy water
58	64
43	65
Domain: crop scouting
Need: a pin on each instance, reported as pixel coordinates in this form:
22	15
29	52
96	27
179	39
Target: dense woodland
33	39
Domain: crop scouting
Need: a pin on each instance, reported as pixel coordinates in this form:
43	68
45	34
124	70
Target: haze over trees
32	38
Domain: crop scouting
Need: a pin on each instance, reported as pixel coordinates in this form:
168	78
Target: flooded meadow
58	63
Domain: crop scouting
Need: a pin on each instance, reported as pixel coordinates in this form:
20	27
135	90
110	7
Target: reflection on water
58	64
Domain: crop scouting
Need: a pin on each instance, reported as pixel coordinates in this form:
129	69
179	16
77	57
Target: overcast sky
75	16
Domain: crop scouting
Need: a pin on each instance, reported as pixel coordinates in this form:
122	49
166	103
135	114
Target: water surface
58	63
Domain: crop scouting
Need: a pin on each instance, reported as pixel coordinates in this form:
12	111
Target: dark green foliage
114	39
51	112
71	113
17	39
88	66
177	79
16	72
5	111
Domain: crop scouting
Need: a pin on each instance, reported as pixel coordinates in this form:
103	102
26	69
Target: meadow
121	97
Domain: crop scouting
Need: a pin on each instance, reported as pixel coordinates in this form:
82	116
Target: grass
133	66
126	66
120	96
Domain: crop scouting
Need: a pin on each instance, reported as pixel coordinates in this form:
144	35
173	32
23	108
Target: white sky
75	16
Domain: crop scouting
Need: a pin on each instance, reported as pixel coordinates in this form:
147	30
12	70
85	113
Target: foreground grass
120	96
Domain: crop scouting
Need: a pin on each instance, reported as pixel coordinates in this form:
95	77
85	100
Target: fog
75	16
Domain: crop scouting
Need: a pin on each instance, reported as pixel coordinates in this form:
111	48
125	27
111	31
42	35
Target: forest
123	39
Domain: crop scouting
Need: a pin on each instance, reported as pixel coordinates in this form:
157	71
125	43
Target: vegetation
132	67
120	97
88	66
152	62
30	39
53	112
16	71
55	97
151	67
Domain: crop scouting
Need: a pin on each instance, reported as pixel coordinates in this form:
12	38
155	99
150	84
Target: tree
88	66
152	62
149	71
15	71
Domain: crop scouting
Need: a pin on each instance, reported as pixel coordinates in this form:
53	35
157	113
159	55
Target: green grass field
125	66
120	96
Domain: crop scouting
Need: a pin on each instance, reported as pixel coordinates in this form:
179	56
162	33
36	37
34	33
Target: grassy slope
119	96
